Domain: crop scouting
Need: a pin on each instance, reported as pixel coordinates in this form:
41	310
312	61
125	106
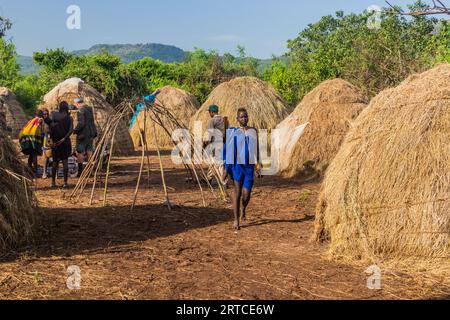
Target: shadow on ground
74	231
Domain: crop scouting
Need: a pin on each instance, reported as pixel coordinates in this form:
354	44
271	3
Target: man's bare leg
246	197
80	160
237	203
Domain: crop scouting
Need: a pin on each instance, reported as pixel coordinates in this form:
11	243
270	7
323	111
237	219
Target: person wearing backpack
31	140
86	132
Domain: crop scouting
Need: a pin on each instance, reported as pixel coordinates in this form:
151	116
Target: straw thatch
327	112
15	117
16	197
265	106
386	195
74	87
181	104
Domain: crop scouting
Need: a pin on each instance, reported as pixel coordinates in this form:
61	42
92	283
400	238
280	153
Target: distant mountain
27	65
127	52
132	52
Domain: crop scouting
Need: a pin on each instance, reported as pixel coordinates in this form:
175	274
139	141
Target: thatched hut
181	104
74	87
386	195
15	116
16	197
327	113
265	106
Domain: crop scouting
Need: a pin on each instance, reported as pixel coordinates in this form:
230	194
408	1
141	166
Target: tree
9	69
103	71
346	46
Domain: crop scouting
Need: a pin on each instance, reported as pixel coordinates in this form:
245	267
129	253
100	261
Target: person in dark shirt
86	132
61	128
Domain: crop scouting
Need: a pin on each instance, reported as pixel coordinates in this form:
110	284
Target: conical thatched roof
181	104
74	87
265	106
15	116
387	192
16	197
328	111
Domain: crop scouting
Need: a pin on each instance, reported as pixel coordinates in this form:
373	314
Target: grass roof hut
265	106
17	200
73	88
327	111
181	104
386	195
14	114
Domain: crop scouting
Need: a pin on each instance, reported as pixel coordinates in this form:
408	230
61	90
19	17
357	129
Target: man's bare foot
236	227
243	215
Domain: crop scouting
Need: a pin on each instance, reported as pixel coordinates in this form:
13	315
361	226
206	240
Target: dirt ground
190	252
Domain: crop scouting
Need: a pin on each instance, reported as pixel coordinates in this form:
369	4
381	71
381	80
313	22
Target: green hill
127	52
132	52
27	65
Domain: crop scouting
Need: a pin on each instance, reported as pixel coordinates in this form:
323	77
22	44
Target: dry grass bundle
15	117
265	106
329	110
181	104
386	195
16	196
73	88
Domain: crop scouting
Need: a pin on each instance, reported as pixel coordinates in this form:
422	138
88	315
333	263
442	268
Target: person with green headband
215	133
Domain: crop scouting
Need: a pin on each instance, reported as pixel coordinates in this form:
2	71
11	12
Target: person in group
216	130
61	128
46	145
86	132
242	164
31	139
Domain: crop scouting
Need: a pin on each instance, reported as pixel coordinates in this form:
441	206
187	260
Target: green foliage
156	73
104	72
373	59
29	91
199	73
9	68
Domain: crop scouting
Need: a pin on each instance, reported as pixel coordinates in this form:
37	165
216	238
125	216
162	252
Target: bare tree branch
437	8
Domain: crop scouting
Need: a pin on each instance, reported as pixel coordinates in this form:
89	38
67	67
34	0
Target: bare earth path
190	252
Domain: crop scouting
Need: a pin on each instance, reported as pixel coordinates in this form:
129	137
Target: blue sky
262	26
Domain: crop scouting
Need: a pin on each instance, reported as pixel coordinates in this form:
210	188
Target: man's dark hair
39	113
241	110
63	107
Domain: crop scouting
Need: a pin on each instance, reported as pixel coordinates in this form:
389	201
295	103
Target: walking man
242	164
86	132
